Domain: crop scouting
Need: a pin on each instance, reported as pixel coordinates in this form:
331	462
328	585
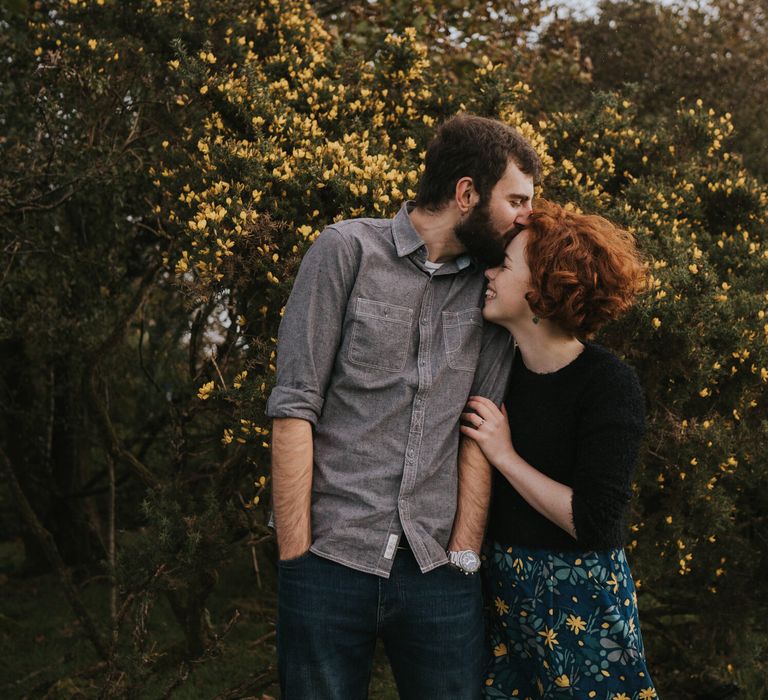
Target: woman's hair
585	271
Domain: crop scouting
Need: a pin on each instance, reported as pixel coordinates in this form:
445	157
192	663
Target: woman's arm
549	497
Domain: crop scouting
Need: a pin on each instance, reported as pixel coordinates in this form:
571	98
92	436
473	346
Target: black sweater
581	426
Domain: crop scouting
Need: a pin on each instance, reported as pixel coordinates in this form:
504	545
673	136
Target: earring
536	319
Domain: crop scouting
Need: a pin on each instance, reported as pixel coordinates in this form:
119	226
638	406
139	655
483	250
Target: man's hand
292	455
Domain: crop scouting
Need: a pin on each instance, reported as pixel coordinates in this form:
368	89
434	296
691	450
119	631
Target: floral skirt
563	625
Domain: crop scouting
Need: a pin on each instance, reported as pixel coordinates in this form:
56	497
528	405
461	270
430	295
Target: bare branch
48	545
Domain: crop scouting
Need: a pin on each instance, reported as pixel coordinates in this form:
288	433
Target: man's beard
480	238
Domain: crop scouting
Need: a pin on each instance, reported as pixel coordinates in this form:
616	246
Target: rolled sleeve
291	402
311	329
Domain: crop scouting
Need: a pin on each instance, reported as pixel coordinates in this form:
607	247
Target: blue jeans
329	618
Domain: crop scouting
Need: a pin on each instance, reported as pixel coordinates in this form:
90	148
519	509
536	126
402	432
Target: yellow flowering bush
297	136
265	126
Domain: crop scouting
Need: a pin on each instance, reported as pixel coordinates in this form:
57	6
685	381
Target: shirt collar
407	238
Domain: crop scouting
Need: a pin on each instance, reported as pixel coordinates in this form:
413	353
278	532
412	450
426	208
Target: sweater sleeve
610	432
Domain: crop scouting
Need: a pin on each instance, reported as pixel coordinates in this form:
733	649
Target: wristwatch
465	560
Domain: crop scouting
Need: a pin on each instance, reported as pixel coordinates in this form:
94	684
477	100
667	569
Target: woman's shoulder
611	376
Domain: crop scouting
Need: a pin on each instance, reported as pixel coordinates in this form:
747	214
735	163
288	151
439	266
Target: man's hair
476	147
585	271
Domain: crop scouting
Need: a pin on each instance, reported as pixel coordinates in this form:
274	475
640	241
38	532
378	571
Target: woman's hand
489	428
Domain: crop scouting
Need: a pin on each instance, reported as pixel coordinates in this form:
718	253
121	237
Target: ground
43	653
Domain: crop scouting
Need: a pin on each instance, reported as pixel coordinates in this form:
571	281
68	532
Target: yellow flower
550	637
500	650
562	681
204	392
576	624
647	694
501	607
620	696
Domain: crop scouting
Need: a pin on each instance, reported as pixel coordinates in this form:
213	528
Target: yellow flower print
647	694
620	696
501	607
576	623
500	650
550	637
562	681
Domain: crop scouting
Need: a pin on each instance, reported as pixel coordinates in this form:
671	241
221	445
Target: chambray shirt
380	356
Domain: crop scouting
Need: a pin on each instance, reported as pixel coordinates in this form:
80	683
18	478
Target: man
380	346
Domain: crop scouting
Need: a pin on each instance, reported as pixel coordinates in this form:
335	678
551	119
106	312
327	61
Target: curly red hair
585	271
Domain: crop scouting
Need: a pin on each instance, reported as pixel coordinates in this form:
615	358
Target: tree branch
51	552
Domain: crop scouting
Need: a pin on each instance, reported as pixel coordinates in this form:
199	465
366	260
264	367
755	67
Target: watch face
469	561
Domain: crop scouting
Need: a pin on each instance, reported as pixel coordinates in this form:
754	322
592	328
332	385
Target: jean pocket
462	335
381	335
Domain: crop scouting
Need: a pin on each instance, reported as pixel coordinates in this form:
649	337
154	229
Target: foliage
715	51
251	125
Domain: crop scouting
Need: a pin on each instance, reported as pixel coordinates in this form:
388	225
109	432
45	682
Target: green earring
536	319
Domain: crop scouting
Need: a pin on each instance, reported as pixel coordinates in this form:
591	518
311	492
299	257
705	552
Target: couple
387	352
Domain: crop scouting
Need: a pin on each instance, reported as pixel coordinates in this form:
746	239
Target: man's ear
466	196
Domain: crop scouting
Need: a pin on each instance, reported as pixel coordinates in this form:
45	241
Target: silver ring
482	420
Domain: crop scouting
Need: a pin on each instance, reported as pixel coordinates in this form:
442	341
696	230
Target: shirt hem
350	564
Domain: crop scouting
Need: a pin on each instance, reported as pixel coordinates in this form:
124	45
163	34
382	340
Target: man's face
492	223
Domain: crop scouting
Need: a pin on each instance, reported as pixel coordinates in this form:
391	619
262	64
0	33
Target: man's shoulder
352	228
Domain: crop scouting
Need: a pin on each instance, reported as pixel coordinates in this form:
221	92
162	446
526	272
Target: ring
482	420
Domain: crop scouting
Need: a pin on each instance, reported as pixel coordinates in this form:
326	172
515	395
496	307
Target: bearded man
378	508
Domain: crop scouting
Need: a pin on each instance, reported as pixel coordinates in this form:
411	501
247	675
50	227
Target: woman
564	617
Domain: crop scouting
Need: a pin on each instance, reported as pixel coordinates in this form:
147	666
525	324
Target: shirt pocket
463	334
381	335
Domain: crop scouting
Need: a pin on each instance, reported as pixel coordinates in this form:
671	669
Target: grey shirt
380	356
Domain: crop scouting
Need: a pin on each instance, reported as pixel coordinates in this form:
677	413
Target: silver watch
465	560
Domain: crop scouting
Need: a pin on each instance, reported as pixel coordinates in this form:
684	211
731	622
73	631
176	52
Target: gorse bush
267	127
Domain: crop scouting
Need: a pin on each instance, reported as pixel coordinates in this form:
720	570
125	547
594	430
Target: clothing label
391	546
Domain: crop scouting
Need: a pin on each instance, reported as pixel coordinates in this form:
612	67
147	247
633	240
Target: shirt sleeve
610	433
494	364
310	332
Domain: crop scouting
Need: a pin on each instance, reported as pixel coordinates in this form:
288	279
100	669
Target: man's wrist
293	553
466	560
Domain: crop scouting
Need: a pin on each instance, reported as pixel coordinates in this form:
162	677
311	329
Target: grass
43	650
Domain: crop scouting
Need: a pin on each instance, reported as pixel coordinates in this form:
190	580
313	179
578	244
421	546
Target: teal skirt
563	625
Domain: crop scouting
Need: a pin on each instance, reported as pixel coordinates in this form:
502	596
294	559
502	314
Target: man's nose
523	213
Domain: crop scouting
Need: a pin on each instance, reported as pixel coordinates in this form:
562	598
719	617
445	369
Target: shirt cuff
287	402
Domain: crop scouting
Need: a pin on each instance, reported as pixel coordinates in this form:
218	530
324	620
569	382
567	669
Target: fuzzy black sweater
581	426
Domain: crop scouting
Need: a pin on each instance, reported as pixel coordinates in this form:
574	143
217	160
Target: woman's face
508	284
